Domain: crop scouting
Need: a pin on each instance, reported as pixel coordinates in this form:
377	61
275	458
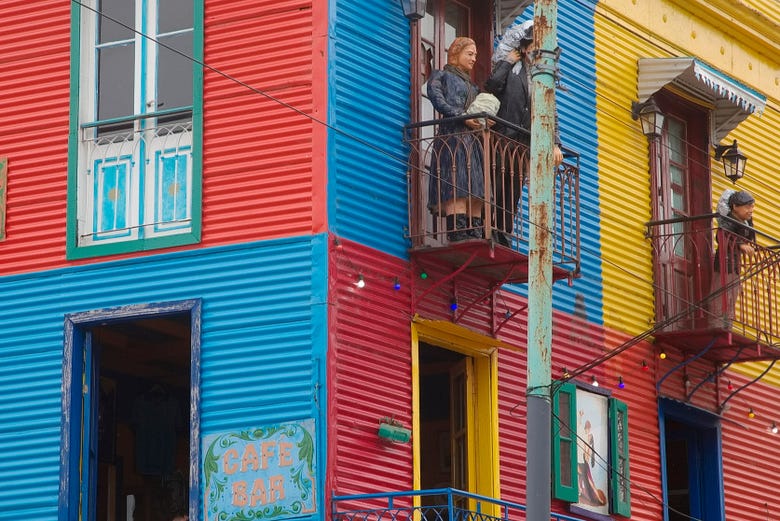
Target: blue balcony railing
445	504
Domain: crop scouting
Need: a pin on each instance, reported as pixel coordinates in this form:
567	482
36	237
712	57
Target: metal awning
732	102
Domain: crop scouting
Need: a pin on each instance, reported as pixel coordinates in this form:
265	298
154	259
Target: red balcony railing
501	167
711	295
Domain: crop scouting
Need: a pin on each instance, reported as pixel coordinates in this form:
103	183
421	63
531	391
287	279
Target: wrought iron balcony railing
501	166
135	177
446	504
710	292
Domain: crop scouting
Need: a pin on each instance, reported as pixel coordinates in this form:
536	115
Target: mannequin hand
513	56
557	155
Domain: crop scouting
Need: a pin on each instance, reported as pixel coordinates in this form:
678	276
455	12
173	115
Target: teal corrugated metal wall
260	352
369	106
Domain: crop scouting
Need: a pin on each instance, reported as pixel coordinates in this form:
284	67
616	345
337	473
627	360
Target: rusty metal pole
541	216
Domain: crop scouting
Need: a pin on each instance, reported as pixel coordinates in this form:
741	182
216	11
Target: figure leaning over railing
736	239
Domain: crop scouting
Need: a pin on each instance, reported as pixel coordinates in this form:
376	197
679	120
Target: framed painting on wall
592	451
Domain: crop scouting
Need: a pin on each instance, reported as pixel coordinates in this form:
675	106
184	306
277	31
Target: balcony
722	308
497	251
444	504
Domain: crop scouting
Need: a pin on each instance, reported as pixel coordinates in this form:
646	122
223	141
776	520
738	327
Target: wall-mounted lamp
650	116
413	9
733	160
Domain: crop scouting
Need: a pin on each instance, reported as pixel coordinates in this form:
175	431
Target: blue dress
456	165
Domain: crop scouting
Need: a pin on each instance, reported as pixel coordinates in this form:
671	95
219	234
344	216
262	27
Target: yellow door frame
483	456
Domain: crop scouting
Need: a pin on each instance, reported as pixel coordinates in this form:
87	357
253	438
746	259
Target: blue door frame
78	362
700	430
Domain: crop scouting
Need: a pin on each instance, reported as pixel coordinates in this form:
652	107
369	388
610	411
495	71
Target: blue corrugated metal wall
576	103
369	100
260	354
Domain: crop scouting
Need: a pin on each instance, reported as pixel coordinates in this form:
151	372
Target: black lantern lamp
650	116
733	160
413	9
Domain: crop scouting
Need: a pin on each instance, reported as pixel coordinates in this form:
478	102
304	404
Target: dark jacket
450	95
513	90
738	233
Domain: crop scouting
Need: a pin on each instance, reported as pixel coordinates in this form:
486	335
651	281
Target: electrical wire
405	162
229	77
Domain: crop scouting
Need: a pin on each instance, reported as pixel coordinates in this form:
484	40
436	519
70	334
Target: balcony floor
494	263
726	346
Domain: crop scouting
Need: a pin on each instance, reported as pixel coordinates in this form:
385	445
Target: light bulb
621	383
730	386
662	355
773	428
423	275
396	284
594	382
361	282
645	367
454	305
751	414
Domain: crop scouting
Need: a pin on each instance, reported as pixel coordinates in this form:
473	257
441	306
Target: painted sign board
262	473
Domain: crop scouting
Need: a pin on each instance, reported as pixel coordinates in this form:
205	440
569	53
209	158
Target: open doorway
443	414
458	417
131	423
693	482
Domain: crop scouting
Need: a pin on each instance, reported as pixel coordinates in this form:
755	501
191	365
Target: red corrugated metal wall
34	60
259	181
370	371
371	377
259	137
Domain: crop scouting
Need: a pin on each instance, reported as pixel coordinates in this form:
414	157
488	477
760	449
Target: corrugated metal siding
662	30
259	175
260	353
370	371
576	103
575	344
34	59
751	453
624	181
369	100
257	151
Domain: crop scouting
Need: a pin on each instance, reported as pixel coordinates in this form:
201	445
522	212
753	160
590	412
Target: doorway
456	438
691	460
132	421
444	409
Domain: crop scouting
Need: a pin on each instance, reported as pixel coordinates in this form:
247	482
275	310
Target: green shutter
620	493
564	446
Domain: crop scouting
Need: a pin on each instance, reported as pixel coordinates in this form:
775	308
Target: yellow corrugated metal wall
627	30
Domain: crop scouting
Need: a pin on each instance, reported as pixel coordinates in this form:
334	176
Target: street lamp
733	160
413	9
650	116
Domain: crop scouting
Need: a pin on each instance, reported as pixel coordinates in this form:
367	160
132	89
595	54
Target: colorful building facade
223	295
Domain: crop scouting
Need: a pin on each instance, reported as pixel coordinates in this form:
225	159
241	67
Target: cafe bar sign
263	473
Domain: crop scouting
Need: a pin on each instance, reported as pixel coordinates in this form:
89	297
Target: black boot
457	227
477	228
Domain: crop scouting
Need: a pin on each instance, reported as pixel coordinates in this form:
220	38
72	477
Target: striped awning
732	101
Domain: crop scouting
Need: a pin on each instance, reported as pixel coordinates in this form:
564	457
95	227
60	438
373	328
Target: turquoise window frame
72	248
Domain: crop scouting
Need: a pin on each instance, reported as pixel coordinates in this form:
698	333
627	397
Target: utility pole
541	216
